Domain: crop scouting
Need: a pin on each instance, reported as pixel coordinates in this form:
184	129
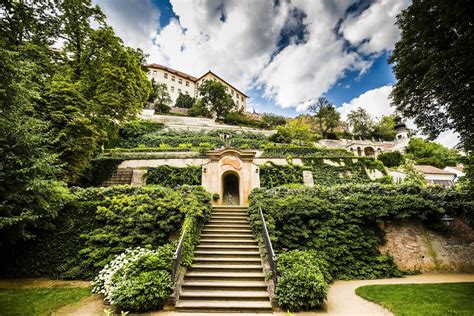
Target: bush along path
227	273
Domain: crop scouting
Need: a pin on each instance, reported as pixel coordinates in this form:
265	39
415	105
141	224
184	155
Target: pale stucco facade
179	82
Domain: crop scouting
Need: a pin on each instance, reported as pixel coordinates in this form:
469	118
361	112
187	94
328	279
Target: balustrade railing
177	259
272	259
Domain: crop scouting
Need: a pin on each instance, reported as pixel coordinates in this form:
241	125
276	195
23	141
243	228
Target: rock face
415	247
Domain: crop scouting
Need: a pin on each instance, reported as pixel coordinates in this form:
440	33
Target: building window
180	81
166	75
187	83
172	89
172	78
179	90
232	92
242	98
187	92
154	73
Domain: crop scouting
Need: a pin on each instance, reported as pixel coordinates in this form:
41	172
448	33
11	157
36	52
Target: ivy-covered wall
100	223
284	151
326	171
343	222
169	176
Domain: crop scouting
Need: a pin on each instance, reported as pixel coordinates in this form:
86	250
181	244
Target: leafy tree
361	122
385	128
273	120
430	153
413	176
326	116
281	136
391	159
299	130
162	99
199	109
184	101
214	96
433	66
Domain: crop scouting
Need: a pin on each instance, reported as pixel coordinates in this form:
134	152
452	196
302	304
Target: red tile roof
173	71
210	72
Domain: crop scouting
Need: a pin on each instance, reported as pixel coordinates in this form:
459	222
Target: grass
39	301
422	299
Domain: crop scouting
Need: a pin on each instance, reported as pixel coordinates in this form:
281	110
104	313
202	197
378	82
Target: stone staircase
120	176
227	272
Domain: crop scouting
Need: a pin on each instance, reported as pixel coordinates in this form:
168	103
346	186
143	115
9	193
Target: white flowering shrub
139	279
102	283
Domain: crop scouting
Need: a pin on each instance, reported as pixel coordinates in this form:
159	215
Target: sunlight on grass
44	301
422	299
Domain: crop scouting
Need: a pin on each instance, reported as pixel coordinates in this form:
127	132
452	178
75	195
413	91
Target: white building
179	82
432	174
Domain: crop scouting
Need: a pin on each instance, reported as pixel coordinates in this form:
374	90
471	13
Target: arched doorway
230	189
369	151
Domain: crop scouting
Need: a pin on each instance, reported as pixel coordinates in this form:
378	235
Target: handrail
272	259
177	258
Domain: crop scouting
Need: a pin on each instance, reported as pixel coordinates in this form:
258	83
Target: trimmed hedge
272	175
284	151
99	224
169	176
303	280
343	222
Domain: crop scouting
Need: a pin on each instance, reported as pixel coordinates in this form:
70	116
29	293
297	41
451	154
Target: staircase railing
177	258
272	259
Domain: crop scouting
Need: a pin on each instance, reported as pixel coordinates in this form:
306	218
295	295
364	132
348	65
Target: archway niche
359	151
230	188
369	151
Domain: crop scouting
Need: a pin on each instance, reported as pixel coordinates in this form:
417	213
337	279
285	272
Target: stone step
228	254
227	236
231	276
229	221
215	241
227	247
229	207
227	267
227	306
227	260
230	217
225	295
221	231
228	226
196	285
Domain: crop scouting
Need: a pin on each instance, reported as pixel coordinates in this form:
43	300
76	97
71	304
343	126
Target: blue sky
283	53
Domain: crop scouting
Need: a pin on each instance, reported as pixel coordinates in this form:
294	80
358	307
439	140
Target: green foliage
237	118
272	175
99	170
385	128
424	152
361	122
169	176
391	159
212	139
412	174
184	101
215	97
302	283
342	223
284	151
272	120
282	136
326	116
433	66
342	170
143	283
137	128
162	99
199	109
299	131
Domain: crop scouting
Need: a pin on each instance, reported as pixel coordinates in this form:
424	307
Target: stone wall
415	247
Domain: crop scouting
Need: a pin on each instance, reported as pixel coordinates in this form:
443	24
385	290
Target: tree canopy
326	116
184	101
433	65
215	97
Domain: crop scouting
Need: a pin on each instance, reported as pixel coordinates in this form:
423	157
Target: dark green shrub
284	151
391	159
199	109
138	128
343	222
302	284
236	118
272	175
273	120
99	170
282	136
173	176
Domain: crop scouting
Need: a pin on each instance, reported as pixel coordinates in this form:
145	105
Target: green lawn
39	301
422	299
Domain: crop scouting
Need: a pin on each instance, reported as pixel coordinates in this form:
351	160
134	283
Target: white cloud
376	102
239	41
374	29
